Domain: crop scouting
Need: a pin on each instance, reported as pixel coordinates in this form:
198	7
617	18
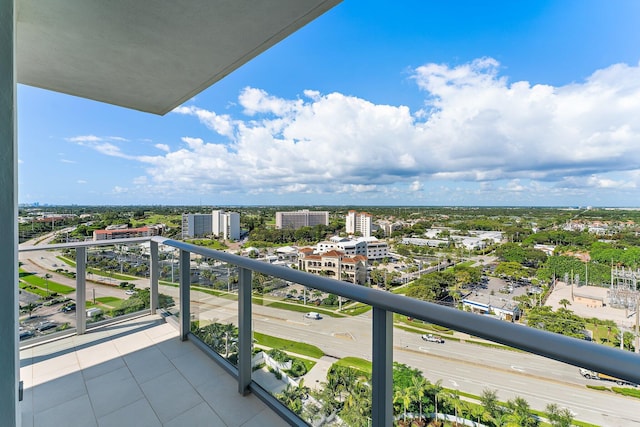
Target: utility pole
637	349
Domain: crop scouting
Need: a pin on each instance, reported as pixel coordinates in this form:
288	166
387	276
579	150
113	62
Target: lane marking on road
517	368
455	384
426	350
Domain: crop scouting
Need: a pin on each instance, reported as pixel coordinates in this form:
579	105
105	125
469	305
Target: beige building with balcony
334	264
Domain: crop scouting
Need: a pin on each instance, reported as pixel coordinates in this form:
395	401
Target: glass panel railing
117	281
214	306
310	354
456	377
46	295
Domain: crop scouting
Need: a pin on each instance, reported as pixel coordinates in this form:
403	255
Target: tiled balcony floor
136	373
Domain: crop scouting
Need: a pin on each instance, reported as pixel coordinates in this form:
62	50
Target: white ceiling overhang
148	55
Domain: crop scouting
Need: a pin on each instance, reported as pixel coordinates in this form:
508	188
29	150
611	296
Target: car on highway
26	334
432	338
313	315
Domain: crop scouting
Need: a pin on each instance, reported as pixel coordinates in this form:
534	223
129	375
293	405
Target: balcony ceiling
148	55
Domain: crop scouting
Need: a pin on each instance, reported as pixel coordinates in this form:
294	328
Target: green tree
520	414
558	417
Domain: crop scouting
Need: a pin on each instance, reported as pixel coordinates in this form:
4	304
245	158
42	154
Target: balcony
164	367
132	373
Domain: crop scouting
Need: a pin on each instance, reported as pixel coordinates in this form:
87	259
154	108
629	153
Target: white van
313	315
94	312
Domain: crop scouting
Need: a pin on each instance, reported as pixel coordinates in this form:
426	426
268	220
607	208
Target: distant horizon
458	103
560	207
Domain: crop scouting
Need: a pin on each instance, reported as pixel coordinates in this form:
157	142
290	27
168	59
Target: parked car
432	338
68	308
46	325
313	315
130	292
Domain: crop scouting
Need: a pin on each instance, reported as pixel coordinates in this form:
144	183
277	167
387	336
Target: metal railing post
154	275
185	284
245	336
81	290
382	368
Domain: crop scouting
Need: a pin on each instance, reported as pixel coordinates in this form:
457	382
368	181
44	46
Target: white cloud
416	186
476	127
67	161
81	181
119	190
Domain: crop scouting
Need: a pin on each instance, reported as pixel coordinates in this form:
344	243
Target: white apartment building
376	249
369	247
196	225
302	218
218	222
225	224
358	223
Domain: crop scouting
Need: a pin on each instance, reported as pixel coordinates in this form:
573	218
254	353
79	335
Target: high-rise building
302	218
226	224
196	225
218	223
359	223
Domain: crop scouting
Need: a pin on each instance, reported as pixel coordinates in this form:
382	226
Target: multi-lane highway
458	365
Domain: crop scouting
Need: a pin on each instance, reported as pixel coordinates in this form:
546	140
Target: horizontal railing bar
612	361
86	243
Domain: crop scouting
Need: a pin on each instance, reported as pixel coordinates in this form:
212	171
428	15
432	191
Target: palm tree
564	302
419	385
404	397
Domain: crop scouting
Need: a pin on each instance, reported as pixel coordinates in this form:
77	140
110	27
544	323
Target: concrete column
81	290
185	294
154	276
9	356
382	368
245	336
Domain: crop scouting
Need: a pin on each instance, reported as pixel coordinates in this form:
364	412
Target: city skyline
423	103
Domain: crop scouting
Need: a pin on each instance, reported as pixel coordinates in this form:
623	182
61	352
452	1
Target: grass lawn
355	363
208	243
288	345
41	283
67	261
357	309
110	274
601	334
108	300
301	308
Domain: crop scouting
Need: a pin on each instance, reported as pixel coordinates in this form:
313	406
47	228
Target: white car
433	338
130	292
313	315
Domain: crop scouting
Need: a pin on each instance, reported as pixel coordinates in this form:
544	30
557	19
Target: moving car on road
432	338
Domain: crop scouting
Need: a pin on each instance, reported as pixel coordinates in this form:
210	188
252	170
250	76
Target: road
458	365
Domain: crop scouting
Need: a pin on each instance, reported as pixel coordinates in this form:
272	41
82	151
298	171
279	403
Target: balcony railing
614	362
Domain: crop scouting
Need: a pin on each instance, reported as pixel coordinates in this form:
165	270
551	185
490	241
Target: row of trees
347	395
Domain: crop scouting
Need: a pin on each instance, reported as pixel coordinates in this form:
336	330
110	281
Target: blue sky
420	102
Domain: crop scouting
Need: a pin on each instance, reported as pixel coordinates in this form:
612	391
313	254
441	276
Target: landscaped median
34	284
